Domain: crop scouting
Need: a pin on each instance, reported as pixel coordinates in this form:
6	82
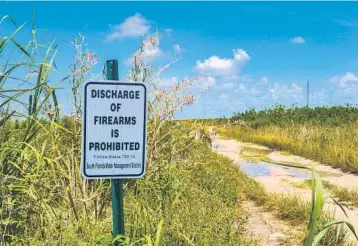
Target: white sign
114	130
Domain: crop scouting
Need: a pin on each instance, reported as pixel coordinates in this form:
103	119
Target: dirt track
277	179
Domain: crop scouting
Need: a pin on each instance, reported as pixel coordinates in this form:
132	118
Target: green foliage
316	208
325	134
205	187
343	194
279	115
332	145
189	196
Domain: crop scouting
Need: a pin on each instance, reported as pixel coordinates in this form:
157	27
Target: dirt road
280	180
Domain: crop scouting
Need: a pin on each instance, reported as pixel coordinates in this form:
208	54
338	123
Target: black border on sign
85	128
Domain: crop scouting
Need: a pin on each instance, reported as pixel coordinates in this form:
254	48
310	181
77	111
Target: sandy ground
279	182
266	227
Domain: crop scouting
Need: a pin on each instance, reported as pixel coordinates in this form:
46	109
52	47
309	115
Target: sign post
114	135
116	185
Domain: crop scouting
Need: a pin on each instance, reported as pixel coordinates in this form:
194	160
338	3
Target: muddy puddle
266	169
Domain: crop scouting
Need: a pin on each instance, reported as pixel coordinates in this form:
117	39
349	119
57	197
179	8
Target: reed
188	197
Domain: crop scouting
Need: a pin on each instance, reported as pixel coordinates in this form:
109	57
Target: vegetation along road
242	187
262	164
305	162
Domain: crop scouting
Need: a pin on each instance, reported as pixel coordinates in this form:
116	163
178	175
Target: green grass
256	151
293	209
46	183
324	134
189	195
306	184
261	155
296	212
344	195
285	153
335	146
279	115
255	154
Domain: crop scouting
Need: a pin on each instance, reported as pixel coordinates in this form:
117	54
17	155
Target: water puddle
263	169
255	169
299	173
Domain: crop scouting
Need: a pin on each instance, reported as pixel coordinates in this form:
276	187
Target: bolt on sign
114	130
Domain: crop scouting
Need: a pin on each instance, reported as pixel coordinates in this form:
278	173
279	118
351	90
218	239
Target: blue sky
254	54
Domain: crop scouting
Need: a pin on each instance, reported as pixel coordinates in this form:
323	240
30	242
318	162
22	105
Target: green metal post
117	184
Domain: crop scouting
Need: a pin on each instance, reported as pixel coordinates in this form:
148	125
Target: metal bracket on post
116	184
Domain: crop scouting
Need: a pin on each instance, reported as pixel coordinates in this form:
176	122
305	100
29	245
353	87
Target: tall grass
280	115
325	134
312	133
189	196
332	145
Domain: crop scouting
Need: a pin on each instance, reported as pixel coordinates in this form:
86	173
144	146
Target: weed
343	194
335	146
189	196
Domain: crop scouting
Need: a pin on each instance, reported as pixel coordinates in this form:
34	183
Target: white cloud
228	85
177	49
349	93
252	91
296	88
345	80
215	65
334	79
255	92
319	95
245	78
129	61
149	55
235	77
167	82
203	83
285	92
168	31
223	97
346	85
298	40
134	26
264	80
242	88
206	83
251	87
230	77
152	52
